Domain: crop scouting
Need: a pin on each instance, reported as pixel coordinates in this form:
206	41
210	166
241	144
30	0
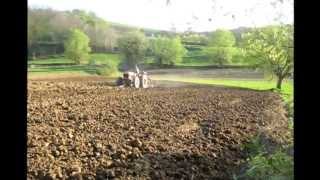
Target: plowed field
87	129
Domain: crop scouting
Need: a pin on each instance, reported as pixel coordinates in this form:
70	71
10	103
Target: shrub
133	46
264	166
254	147
77	46
276	166
108	69
238	56
92	62
167	51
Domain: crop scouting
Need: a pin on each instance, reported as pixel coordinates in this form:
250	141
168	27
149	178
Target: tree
194	38
221	46
110	40
52	27
77	46
272	49
132	46
222	38
167	51
38	27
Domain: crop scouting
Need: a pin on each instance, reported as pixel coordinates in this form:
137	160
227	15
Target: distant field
194	63
262	84
55	75
102	58
99	58
50	61
62	66
191	59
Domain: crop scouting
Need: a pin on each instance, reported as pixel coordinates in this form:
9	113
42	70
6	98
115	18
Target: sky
181	15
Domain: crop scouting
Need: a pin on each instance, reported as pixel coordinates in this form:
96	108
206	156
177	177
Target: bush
290	108
238	56
77	46
108	69
219	55
276	166
92	62
133	47
167	51
254	147
264	166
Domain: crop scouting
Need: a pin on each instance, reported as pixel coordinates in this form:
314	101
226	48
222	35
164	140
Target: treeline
48	30
77	33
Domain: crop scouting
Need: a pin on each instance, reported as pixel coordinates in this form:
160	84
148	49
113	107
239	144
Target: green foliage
77	46
92	62
242	83
264	166
254	147
221	47
276	166
133	47
193	47
239	56
101	58
63	66
272	49
167	51
220	55
194	39
52	27
109	68
290	110
289	107
222	38
51	61
38	24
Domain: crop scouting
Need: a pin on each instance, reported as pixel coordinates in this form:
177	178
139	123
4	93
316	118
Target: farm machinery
136	79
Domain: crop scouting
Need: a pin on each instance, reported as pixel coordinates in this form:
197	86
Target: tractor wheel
144	81
150	83
136	82
119	81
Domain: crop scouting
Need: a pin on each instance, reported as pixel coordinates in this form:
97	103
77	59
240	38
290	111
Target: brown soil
88	129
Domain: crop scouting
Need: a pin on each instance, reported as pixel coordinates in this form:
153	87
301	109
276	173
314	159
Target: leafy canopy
222	38
77	46
133	47
272	50
168	51
221	47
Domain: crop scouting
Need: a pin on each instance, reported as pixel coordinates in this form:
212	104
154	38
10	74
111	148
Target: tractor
136	79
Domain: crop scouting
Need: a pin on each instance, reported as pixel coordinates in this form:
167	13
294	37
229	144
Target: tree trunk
220	64
34	56
279	82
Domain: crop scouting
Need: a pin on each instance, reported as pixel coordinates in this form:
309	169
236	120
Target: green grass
63	66
99	58
195	63
51	66
50	61
102	58
69	68
46	75
287	86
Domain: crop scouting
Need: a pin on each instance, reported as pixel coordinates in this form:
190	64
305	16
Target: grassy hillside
63	65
